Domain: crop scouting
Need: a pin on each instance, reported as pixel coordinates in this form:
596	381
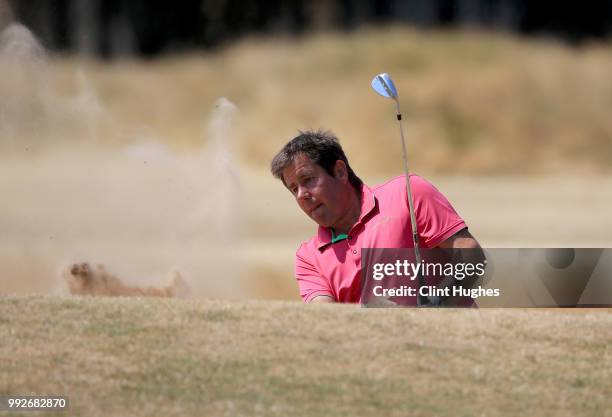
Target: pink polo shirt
333	269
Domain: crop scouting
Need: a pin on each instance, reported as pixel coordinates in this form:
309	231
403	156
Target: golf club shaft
421	300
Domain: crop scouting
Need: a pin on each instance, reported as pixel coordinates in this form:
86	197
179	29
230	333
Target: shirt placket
354	245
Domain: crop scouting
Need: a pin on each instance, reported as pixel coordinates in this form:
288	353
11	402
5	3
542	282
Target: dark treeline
117	27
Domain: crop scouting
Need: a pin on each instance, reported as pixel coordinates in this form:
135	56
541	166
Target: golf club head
383	85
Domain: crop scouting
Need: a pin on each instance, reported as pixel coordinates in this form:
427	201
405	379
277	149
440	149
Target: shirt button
354	251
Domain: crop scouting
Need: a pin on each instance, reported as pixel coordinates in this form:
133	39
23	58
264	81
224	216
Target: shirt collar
368	202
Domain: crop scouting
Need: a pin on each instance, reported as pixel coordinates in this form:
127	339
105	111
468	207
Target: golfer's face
317	193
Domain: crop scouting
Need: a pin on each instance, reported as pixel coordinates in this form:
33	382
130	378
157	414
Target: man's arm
473	255
463	239
322	299
313	287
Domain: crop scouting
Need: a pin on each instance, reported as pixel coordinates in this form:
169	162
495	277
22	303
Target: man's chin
321	221
322	224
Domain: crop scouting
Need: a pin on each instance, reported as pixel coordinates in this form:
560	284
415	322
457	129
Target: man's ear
340	171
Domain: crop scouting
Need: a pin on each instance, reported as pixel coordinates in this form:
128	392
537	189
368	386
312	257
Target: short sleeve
436	218
310	281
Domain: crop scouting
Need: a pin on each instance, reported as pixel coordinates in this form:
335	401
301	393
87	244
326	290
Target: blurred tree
84	26
322	14
6	14
114	27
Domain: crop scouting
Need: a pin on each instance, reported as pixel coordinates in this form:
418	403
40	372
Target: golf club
383	85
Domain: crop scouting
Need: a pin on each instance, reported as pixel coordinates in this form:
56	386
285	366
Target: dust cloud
82	279
142	211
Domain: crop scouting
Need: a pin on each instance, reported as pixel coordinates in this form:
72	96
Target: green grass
142	357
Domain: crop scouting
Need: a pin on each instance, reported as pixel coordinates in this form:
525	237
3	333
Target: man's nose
303	194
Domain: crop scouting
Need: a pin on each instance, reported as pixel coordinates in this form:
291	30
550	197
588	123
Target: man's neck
346	223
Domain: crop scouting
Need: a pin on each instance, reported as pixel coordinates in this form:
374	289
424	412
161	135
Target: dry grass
144	357
476	103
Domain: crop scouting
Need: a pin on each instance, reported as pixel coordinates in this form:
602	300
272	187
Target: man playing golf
352	216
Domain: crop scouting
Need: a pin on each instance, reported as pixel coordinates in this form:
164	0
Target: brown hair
322	147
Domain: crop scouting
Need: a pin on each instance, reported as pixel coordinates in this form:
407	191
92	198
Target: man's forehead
301	164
